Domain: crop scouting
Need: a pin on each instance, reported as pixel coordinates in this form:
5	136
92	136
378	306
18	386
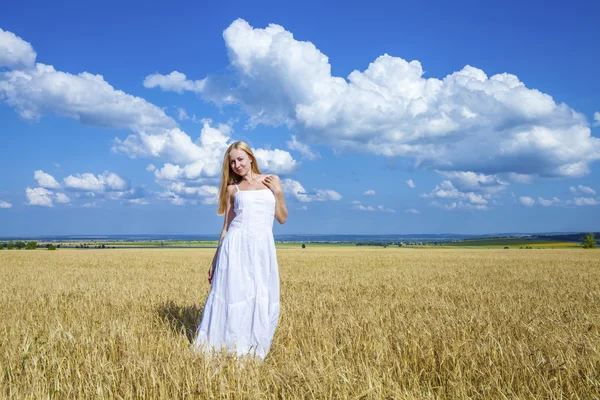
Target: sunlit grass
355	322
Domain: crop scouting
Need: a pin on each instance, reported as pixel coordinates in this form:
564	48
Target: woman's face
239	161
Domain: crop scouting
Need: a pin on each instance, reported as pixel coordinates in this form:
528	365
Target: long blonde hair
229	177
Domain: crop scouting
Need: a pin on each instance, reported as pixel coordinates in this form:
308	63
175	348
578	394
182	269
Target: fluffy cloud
584	201
200	159
14	51
277	161
38	89
88	182
304	149
62	198
412	211
108	186
357	205
295	189
178	193
467	200
86	97
4	204
39	197
175	82
410	183
45	180
548	203
527	201
369	193
150	167
473	182
582	190
466	121
597	118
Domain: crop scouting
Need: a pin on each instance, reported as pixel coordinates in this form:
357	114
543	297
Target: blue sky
449	117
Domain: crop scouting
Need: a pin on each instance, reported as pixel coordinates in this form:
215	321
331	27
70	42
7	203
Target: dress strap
236	186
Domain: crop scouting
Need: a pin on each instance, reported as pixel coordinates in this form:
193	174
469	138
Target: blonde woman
242	307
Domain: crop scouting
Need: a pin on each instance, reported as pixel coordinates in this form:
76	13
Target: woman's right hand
211	273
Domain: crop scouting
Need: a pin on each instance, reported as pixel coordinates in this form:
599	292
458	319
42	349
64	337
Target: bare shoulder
231	189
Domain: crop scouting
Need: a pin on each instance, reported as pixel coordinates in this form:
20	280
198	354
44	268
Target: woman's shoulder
231	189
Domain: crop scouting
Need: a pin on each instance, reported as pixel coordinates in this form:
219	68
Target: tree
31	246
20	244
10	246
51	247
589	242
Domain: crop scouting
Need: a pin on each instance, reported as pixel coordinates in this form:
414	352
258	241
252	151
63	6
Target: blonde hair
229	177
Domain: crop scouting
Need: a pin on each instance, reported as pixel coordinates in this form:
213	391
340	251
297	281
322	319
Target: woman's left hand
274	183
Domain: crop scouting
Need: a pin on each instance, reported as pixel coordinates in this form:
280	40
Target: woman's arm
274	183
229	215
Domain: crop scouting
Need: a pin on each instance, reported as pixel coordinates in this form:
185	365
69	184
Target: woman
242	308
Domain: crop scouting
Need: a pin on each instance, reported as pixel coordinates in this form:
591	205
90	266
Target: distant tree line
19	245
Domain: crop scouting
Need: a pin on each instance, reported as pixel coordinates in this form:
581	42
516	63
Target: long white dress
242	307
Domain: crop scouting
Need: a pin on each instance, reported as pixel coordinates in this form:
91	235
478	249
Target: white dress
242	307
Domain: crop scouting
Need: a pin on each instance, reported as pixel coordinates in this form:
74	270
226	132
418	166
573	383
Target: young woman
242	307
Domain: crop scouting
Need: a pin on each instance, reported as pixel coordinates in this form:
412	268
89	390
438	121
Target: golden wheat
355	323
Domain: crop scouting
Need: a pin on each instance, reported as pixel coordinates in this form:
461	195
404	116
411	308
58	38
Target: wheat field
356	323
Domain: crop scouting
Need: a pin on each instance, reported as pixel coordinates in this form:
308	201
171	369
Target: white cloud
178	193
276	161
182	115
296	189
460	205
131	196
466	200
200	159
89	205
85	182
15	52
357	205
582	190
39	197
412	211
88	182
45	180
474	182
584	201
4	204
62	198
526	201
548	203
466	121
175	82
86	97
141	202
369	193
410	183
38	89
150	167
304	149
597	118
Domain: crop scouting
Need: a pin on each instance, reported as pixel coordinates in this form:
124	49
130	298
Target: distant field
355	323
512	243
